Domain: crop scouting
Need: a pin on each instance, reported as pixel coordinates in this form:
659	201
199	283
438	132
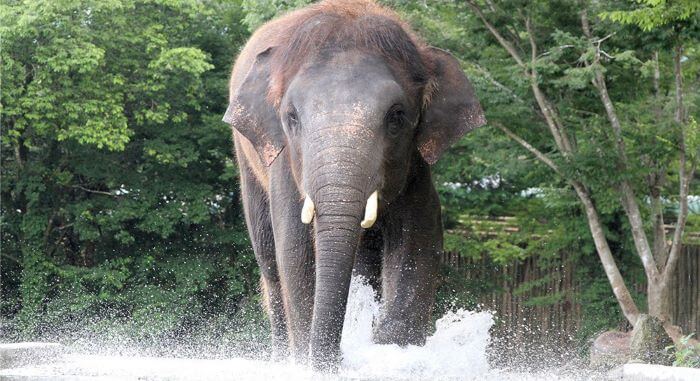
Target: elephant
338	110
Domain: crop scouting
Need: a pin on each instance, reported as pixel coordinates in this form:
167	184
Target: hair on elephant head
356	101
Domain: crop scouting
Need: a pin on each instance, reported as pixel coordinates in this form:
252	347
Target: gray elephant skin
338	110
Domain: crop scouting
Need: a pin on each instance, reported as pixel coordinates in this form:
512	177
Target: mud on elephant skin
338	110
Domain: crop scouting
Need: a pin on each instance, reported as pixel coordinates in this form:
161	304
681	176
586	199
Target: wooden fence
533	300
685	291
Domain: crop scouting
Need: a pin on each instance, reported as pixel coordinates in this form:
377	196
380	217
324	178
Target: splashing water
456	351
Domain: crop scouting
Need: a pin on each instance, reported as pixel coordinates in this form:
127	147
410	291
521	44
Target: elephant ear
451	109
250	113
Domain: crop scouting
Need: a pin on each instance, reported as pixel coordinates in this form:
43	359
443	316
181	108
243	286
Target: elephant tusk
370	211
307	211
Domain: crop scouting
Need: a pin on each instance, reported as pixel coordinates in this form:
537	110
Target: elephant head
355	106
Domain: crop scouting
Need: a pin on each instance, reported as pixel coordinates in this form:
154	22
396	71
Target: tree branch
676	244
657	178
541	156
685	175
497	84
533	45
657	91
659	232
629	308
11	257
624	298
562	47
548	111
678	77
93	190
501	40
627	195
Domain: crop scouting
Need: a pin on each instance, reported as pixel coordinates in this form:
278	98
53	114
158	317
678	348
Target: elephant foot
325	365
279	353
324	360
397	332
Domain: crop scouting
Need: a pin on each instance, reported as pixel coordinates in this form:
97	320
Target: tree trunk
624	298
659	233
658	299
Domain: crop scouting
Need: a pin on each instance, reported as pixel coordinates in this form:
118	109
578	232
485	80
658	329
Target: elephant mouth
309	209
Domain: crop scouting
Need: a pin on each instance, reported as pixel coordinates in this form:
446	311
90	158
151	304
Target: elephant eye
395	120
293	120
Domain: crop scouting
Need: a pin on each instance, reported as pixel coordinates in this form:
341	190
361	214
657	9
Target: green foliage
651	14
686	354
258	12
455	291
119	194
553	213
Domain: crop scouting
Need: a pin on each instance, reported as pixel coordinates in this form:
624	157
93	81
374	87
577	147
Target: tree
119	191
555	60
675	18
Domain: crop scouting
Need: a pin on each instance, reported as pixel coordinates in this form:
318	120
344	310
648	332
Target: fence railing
534	299
685	291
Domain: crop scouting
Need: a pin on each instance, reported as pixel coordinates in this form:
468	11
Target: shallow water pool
456	351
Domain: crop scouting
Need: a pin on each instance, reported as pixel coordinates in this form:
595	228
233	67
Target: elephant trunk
341	193
337	237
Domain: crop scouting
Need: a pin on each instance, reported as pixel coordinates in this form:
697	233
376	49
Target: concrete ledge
19	354
648	372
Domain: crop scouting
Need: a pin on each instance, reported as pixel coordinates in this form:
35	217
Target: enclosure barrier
532	300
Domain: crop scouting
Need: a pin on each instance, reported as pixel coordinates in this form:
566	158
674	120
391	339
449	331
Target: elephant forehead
354	113
347	65
350	103
355	119
345	79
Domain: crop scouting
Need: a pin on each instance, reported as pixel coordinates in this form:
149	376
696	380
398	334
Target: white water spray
456	351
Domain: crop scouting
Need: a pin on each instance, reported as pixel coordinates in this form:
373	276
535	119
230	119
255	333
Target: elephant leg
257	214
295	255
368	260
413	241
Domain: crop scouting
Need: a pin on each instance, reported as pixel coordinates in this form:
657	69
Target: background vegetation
120	206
